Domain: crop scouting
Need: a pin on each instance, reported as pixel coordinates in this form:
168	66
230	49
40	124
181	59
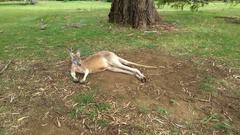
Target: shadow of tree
12	3
229	19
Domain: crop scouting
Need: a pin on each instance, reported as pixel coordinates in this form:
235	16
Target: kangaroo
101	61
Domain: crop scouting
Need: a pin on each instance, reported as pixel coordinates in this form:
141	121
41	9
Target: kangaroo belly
96	64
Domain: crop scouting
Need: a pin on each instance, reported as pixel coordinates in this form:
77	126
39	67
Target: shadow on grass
14	3
229	19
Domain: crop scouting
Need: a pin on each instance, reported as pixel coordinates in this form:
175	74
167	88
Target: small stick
226	114
155	74
150	31
232	97
6	66
58	123
203	100
22	118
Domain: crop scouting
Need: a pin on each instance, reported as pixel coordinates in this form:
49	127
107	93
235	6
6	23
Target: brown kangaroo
101	61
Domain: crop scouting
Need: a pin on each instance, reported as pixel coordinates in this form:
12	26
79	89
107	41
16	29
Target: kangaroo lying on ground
102	61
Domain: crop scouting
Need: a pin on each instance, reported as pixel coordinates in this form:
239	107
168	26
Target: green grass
207	84
162	111
143	109
199	33
173	102
86	104
1	131
103	106
84	99
218	121
103	122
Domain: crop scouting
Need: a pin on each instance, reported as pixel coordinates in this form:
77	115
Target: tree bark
137	13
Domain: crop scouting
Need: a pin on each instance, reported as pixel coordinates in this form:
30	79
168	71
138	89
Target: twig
12	97
232	97
154	74
202	100
58	123
155	119
226	114
22	118
180	126
69	95
90	130
6	66
43	125
150	31
236	76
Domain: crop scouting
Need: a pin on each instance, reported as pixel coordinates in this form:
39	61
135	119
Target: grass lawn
187	94
197	34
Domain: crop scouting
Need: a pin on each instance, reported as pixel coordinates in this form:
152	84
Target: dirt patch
37	98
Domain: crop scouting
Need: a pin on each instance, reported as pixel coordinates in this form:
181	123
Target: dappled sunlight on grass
197	33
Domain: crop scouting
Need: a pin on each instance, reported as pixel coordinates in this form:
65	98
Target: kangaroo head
76	61
76	58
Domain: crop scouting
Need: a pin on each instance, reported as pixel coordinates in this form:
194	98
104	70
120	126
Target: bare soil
36	98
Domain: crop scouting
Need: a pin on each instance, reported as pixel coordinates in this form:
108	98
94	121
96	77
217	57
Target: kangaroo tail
126	62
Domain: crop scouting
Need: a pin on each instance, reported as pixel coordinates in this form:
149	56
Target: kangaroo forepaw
143	80
75	81
82	81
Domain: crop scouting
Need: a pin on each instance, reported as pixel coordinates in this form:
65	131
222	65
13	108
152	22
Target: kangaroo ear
78	53
70	52
71	55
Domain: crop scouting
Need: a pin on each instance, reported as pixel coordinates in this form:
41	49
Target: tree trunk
137	13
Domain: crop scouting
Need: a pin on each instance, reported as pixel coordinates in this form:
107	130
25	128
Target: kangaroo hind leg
135	71
115	69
